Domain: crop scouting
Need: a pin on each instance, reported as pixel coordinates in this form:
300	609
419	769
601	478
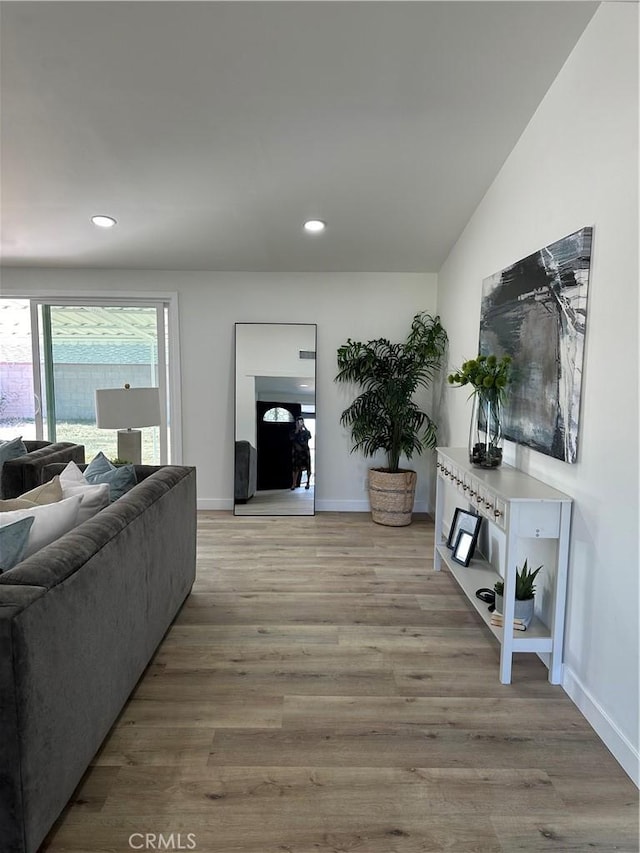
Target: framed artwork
467	521
463	548
536	312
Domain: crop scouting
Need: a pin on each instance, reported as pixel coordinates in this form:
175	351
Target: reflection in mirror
275	418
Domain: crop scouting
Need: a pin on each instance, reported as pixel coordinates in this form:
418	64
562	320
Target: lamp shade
126	408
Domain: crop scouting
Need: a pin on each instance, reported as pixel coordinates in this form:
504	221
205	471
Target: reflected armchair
246	472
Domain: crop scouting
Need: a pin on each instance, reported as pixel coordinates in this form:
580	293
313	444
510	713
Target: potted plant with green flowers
488	376
385	417
525	594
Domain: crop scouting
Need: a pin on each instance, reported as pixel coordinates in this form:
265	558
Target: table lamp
125	409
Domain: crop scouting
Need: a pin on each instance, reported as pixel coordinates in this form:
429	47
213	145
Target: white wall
577	164
357	305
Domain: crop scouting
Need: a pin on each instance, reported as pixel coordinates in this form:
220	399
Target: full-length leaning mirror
275	410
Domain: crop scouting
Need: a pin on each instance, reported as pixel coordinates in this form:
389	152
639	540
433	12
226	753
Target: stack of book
498	621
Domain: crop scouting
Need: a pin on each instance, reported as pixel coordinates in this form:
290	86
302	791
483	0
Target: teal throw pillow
120	480
11	449
98	465
13	542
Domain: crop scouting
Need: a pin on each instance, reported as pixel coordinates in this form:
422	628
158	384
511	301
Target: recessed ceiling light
304	386
103	221
314	226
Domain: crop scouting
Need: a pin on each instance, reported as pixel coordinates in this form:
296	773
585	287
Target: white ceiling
211	130
300	388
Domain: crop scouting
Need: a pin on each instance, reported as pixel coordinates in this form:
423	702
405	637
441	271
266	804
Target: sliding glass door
66	351
17	401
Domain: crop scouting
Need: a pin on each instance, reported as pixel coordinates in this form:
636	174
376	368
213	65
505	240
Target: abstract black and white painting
536	312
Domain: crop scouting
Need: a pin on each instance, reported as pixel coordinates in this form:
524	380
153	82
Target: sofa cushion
71	475
50	521
98	465
13	542
120	479
94	497
16	503
12	449
47	493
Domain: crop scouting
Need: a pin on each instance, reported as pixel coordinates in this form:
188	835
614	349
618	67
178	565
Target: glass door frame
168	342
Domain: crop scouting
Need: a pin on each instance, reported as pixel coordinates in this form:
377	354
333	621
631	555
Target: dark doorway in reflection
274	446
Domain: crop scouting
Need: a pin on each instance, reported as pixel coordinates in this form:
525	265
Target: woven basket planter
391	496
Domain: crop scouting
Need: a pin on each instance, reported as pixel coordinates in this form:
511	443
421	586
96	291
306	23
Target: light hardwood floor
300	501
324	691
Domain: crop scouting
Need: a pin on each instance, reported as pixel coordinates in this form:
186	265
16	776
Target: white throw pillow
72	476
94	498
47	493
11	504
50	521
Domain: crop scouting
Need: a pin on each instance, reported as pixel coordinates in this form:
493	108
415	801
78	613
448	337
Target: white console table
522	507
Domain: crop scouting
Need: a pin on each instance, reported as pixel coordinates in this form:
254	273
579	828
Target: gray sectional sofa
79	622
24	473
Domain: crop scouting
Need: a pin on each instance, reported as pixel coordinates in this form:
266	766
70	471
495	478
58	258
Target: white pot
523	609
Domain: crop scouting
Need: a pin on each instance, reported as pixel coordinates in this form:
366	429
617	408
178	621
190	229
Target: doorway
274	445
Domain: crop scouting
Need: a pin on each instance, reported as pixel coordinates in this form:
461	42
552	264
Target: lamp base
130	445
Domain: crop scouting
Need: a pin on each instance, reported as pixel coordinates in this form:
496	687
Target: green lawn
94	439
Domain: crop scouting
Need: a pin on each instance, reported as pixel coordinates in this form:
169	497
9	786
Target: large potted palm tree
385	416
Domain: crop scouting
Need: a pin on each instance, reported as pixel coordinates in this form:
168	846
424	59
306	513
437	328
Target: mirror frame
286	355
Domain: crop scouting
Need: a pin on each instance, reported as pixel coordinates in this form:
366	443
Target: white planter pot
523	609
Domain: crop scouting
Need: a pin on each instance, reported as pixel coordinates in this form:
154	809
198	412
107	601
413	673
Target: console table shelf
537	637
522	507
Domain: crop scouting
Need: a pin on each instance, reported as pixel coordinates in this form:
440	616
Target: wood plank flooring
300	501
324	691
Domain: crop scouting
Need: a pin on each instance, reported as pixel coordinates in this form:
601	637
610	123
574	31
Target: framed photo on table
463	520
463	548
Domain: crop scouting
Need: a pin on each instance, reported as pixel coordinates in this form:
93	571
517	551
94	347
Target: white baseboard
321	505
342	506
616	742
356	506
214	503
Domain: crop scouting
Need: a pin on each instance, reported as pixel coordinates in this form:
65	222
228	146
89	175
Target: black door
274	446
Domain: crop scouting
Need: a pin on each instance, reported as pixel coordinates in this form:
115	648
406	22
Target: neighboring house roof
81	334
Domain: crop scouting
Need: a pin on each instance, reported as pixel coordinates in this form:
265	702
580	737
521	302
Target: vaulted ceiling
212	130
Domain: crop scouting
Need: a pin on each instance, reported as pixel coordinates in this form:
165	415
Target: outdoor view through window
79	348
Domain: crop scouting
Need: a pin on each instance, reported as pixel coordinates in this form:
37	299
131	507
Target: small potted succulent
525	593
488	377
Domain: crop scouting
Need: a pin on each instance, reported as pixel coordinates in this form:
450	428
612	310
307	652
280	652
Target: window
278	415
55	354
